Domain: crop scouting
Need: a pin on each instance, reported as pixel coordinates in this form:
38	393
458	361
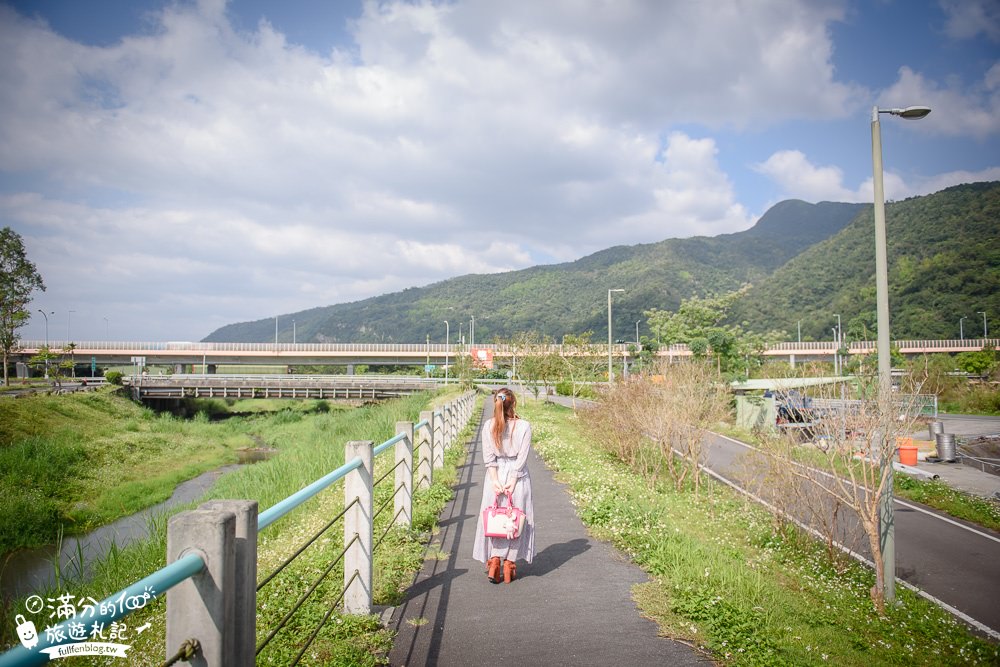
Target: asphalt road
953	561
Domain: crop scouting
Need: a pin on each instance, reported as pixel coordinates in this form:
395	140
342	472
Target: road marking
897	500
982	627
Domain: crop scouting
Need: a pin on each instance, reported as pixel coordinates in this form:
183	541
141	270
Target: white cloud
216	175
955	112
965	19
800	179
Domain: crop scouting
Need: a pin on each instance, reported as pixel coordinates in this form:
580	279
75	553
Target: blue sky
174	167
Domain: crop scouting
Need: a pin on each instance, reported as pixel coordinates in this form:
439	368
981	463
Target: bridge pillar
791	360
350	369
178	369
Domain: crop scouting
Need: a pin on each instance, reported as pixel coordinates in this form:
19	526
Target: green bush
983	400
114	377
565	388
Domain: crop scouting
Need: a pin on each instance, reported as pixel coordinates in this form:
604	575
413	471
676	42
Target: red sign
482	358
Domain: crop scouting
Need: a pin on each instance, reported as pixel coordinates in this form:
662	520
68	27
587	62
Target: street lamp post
961	329
839	339
886	528
637	332
800	331
985	332
610	374
69	339
447	349
293	332
836	352
472	331
107	330
46	316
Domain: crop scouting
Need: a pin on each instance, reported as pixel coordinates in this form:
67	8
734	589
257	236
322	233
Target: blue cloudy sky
178	166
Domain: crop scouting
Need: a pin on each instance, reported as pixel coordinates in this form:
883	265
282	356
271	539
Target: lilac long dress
513	461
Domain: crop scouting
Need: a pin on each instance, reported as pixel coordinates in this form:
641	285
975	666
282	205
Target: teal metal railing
138	594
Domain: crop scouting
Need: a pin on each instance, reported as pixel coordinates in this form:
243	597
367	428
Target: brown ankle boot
509	571
493	570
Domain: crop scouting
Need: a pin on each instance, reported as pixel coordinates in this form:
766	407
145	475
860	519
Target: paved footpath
571	606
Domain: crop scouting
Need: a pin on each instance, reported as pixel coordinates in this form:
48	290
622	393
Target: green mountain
567	298
944	263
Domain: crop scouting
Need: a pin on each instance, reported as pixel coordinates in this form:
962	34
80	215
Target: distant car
793	407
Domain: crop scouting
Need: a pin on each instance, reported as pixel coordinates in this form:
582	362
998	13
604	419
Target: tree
977	363
18	279
698	322
846	467
579	360
537	361
657	423
45	358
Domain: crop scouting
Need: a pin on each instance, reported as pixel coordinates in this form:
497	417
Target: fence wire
305	546
301	600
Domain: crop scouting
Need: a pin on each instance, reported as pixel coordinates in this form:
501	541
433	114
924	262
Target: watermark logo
76	626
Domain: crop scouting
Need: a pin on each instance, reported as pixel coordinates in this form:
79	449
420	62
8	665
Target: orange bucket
908	455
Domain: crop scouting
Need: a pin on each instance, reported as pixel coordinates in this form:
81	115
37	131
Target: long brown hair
503	412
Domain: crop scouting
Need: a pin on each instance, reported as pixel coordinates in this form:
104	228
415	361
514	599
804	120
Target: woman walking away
506	441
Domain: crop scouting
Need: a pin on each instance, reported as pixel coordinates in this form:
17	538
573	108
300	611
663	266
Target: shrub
114	377
565	388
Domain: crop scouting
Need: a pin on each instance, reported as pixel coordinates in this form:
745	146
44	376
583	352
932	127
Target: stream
29	570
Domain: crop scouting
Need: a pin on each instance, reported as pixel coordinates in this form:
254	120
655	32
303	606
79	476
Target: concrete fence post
437	441
245	589
202	607
425	468
403	498
358	522
449	426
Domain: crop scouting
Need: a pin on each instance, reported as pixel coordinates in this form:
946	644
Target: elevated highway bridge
333	387
211	355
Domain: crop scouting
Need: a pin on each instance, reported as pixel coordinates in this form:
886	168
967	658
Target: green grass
937	494
70	463
310	446
730	579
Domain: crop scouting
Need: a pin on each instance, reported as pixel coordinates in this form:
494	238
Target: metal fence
853	347
211	578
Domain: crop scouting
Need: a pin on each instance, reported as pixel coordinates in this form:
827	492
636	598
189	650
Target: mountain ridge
569	297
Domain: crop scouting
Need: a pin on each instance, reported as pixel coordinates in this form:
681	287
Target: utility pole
611	375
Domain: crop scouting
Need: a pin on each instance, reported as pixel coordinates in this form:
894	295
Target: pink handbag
506	522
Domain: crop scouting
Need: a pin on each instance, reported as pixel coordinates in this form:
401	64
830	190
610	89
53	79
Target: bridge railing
415	350
211	577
